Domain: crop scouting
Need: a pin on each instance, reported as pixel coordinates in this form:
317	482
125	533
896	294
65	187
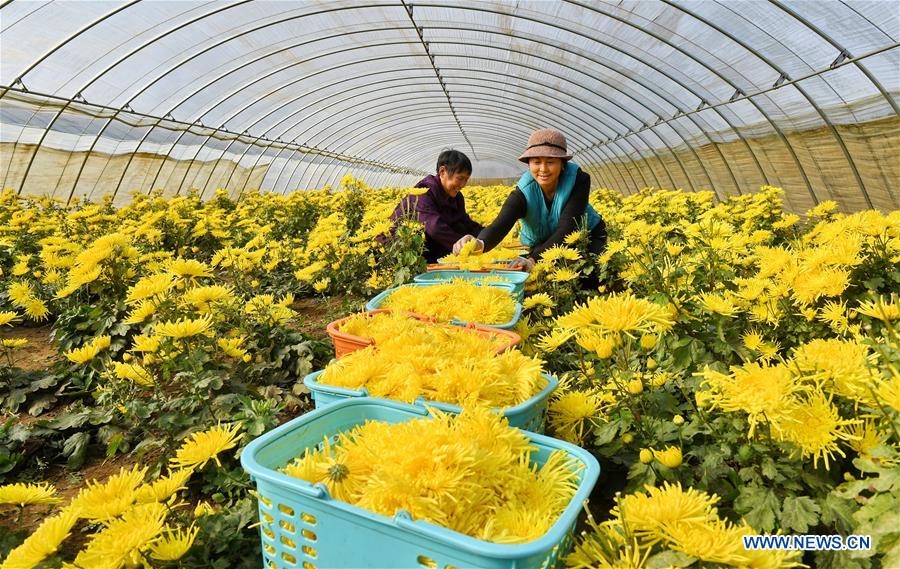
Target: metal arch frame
644	106
764	114
233	93
434	134
870	22
382	105
401	118
425	45
157	38
257	138
643	63
637	119
649	146
439	131
223	75
588	103
841	49
97	77
348	90
862	68
512	149
427	113
475	84
700	129
799	88
816	73
272	23
722	78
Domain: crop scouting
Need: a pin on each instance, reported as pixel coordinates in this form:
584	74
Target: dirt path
39	353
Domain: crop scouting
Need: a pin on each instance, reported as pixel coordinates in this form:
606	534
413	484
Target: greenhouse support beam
228	133
837	136
720	76
437	73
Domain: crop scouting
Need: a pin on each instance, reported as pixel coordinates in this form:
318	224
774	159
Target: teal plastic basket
515	278
376	302
530	415
301	526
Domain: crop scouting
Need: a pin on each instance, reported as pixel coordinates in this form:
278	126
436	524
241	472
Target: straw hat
546	143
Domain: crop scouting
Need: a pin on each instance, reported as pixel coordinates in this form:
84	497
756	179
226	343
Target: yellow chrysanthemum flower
539	299
718	304
174	543
188	269
144	310
618	314
563	275
815	427
462	300
163	488
200	448
135	373
649	514
763	392
865	438
841	365
8	318
89	351
880	309
13	342
232	346
45	540
20	293
107	500
23	494
126	539
184	328
669	457
572	411
202	297
146	344
149	287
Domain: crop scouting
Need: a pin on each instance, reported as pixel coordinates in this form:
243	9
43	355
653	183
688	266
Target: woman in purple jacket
442	209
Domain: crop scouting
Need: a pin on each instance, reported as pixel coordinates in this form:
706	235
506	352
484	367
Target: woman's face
546	171
453	183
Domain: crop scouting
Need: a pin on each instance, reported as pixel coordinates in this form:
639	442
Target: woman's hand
524	263
457	247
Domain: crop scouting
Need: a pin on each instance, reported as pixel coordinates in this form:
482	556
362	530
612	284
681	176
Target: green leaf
75	448
799	513
605	433
669	558
759	506
838	512
768	468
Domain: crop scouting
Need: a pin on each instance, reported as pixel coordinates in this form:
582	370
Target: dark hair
454	161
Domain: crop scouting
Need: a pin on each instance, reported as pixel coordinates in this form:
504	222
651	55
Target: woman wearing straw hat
551	199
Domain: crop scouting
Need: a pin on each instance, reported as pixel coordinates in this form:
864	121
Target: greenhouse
401	284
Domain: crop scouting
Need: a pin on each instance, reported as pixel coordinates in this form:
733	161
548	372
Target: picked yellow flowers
461	300
468	473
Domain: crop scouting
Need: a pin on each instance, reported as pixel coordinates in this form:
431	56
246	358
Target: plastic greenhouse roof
647	92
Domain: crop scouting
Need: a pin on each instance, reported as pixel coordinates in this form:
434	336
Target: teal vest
539	223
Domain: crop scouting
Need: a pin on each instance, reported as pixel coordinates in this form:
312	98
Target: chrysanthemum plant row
743	352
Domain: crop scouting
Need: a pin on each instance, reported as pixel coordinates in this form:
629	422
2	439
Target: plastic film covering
113	97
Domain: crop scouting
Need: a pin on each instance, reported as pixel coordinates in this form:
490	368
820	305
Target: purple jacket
445	218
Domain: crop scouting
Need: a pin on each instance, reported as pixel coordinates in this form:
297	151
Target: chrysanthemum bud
646	456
